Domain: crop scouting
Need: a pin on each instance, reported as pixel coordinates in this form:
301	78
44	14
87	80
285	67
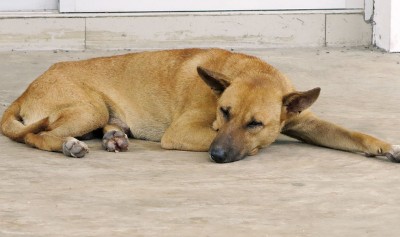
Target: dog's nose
218	154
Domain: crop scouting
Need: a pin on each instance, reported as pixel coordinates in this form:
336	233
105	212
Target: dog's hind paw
394	153
115	141
75	148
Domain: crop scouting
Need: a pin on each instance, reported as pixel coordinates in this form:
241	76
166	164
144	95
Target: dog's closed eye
254	124
226	112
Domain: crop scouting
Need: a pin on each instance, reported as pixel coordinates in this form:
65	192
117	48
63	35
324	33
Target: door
203	5
28	5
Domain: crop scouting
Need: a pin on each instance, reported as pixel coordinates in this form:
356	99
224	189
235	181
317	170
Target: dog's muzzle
219	155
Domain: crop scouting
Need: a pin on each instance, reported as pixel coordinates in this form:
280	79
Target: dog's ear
298	101
216	81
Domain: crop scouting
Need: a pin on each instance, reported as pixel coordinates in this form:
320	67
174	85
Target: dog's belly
146	126
147	130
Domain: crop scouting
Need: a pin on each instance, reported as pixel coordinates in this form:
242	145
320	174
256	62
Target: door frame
386	33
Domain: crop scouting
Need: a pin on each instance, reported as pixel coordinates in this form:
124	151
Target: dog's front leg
310	129
190	132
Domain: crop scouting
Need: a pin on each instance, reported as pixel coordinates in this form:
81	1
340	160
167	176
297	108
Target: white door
28	5
203	5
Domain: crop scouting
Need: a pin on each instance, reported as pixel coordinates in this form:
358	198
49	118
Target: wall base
49	31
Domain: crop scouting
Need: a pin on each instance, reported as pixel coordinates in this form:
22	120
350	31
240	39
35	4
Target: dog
229	104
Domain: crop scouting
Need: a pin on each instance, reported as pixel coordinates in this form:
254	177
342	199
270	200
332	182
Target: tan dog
160	96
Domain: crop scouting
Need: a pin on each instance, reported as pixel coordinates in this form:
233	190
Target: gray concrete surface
288	189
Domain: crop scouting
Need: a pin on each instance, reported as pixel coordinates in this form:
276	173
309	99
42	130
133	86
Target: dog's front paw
394	153
115	141
75	148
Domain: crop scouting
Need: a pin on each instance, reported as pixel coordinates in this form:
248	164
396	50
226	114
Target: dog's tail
13	127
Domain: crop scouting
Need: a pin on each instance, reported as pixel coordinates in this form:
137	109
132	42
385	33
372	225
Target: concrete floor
288	189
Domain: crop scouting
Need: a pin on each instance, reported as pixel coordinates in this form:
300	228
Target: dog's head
250	114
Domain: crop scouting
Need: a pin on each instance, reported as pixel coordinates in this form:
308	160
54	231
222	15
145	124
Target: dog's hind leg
46	141
115	137
310	129
66	124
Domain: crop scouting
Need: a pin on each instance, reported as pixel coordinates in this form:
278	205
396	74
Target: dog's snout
218	154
